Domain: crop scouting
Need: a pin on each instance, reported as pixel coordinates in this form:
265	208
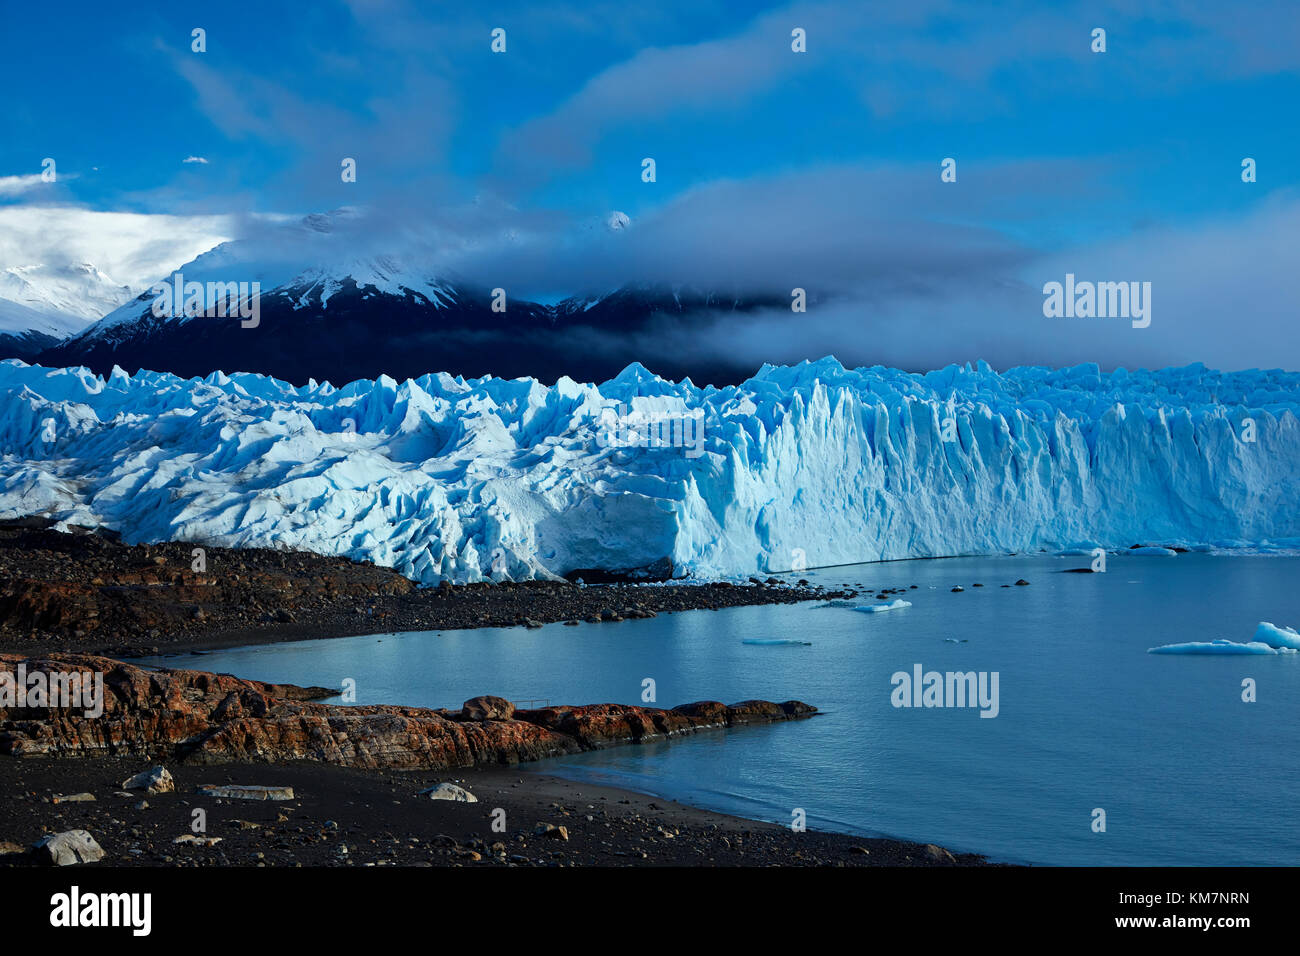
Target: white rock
246	792
153	780
449	791
67	848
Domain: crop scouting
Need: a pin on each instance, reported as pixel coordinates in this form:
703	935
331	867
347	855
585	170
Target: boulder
487	707
937	854
67	848
552	831
449	791
153	780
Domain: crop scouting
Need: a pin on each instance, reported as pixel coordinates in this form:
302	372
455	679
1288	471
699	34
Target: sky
775	169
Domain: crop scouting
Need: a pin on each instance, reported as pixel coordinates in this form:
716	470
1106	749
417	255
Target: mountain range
340	318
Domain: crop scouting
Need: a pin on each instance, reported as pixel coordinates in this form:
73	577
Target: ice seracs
811	465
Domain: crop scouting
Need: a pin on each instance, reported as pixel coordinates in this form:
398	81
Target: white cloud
17	185
195	159
135	249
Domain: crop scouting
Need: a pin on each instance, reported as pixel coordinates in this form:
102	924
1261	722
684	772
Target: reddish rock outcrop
488	707
199	717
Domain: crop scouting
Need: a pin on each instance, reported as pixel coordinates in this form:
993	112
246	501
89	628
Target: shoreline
84	593
147	600
380	819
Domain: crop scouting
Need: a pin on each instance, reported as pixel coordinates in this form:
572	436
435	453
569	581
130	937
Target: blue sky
1061	151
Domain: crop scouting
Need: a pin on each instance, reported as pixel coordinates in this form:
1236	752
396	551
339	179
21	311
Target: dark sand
381	821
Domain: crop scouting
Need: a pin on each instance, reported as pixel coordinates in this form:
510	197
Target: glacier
802	466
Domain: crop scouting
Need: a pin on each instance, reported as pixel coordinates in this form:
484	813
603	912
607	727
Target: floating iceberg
1280	637
1269	639
894	605
810	465
1218	647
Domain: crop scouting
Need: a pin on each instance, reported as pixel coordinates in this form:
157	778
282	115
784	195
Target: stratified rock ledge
198	717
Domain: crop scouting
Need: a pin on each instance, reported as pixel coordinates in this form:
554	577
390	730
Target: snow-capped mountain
801	466
77	289
351	315
26	332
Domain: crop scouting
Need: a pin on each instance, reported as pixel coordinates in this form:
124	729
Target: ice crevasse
800	466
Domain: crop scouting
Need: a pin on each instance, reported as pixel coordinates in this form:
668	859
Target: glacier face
808	465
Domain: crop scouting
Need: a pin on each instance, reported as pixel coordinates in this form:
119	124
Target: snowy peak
19	318
77	289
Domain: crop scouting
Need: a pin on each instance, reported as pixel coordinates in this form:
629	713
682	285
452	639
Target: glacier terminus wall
800	466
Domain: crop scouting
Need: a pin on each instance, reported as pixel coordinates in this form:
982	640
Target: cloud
133	248
17	185
923	58
386	124
195	159
1222	293
14	186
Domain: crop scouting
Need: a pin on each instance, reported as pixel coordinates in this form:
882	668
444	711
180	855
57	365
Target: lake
1186	772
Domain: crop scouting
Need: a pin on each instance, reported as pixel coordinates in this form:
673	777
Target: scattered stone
938	854
449	791
1022	582
67	848
153	780
245	792
73	798
195	840
552	831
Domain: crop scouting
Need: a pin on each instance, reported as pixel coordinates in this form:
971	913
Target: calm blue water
1186	772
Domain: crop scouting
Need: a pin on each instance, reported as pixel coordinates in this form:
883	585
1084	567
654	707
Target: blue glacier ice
798	467
1269	639
895	605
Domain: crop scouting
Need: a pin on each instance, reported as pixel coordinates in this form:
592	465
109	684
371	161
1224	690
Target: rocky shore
283	779
86	593
204	718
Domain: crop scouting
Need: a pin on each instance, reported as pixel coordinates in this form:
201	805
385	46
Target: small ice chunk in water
1269	639
894	605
